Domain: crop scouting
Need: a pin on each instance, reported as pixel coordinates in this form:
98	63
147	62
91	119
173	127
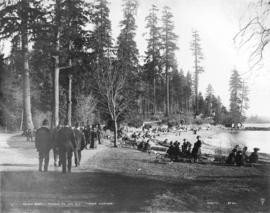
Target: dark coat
86	132
253	158
43	140
239	160
170	151
196	151
66	139
231	158
79	139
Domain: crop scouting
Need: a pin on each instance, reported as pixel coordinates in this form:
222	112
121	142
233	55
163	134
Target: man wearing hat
43	144
253	158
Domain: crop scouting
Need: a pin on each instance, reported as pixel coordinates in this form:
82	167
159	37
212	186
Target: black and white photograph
134	106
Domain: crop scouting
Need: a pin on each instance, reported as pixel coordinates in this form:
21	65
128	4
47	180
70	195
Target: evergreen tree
103	55
201	104
198	56
244	100
20	21
235	96
100	43
175	92
153	58
219	112
65	42
11	103
168	38
187	90
209	100
127	52
100	38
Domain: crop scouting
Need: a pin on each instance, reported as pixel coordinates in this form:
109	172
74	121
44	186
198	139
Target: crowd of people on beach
175	151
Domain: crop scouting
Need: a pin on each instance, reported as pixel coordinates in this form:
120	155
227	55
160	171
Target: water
251	139
257	125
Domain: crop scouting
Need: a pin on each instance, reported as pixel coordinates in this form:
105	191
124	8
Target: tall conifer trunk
28	123
56	69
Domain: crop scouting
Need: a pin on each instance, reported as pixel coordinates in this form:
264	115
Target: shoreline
215	141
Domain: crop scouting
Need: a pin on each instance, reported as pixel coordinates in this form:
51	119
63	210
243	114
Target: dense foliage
110	82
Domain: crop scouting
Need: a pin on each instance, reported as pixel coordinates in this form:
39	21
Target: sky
217	21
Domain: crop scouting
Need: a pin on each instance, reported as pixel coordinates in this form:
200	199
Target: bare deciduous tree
110	87
256	31
85	108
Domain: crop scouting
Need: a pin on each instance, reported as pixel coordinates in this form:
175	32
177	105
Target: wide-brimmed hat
256	149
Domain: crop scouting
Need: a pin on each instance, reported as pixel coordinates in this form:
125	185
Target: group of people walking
64	141
92	135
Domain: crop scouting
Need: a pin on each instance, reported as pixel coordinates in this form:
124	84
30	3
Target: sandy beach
216	140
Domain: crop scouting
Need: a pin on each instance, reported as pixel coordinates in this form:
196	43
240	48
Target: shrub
136	122
172	123
198	121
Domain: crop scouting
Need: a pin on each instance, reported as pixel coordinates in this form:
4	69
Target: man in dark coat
86	132
239	160
196	151
93	136
99	133
80	144
67	145
253	158
231	158
43	144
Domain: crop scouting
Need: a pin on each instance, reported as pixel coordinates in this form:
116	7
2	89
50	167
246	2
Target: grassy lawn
121	180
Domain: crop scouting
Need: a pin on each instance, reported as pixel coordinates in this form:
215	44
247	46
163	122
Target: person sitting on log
170	151
253	158
231	158
244	154
146	147
239	160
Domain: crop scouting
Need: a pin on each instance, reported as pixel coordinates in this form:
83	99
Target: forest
64	65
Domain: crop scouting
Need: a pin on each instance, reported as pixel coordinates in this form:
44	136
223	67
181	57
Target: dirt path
10	156
18	154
